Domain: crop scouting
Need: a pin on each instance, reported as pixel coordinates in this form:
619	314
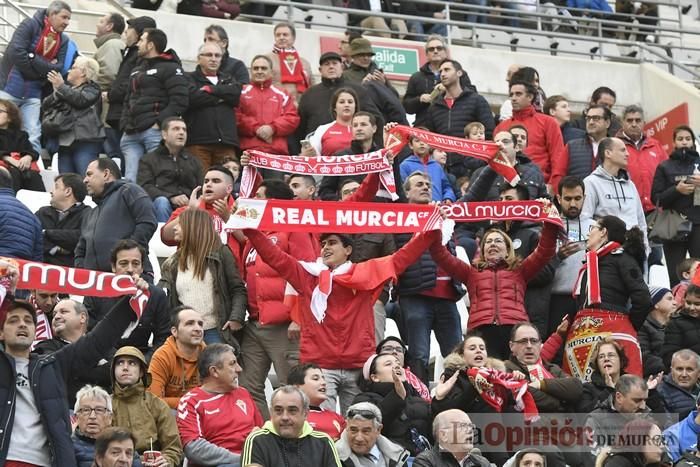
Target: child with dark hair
683	331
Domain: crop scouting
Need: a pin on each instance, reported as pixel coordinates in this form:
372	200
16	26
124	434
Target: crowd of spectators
160	151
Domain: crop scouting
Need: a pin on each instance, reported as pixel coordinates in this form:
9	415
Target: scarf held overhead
73	281
337	166
352	217
488	152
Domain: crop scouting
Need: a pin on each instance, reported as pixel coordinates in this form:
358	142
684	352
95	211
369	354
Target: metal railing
669	34
540	27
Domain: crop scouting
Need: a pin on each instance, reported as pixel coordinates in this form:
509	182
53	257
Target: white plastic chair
34	199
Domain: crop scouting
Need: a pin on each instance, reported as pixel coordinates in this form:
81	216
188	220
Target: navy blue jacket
422	275
676	399
23	72
20	230
47	376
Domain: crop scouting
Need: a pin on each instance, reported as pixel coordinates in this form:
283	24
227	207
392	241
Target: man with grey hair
645	153
424	85
362	443
679	389
628	401
215	418
212	131
38	46
453	432
93	409
288	439
69	324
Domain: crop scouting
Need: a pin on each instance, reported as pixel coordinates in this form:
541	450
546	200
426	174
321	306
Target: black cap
329	56
141	22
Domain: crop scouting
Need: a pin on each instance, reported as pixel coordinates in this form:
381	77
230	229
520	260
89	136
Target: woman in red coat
497	283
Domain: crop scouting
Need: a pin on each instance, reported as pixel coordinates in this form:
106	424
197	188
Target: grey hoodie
607	195
567	272
394	455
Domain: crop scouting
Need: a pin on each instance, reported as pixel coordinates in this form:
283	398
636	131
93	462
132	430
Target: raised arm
451	264
285	264
546	249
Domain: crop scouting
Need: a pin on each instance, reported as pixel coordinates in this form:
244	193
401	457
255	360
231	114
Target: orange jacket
172	374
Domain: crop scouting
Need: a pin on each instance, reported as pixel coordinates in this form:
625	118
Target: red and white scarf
418	385
292	69
538	371
590	267
494	387
338	166
357	276
49	42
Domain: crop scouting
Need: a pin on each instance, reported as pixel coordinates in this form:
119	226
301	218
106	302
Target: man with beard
572	192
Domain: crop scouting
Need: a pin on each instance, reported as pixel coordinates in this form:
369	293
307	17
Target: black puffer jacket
12	140
422	275
621	281
594	392
530	176
682	332
399	416
86	107
651	342
424	81
120	87
63	233
676	399
162	175
211	117
157	90
467	107
681	164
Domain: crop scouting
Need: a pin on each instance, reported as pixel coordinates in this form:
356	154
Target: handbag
58	118
667	225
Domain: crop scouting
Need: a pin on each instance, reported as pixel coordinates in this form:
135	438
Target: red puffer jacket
497	294
265	285
642	166
266	105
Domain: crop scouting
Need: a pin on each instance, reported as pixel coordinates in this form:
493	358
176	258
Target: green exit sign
399	61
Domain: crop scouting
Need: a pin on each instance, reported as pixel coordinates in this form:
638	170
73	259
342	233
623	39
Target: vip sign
662	127
399	62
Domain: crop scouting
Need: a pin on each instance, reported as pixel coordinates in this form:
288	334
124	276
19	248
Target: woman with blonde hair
203	274
80	139
497	283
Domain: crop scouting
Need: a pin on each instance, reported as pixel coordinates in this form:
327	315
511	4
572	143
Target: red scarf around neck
49	42
591	268
292	69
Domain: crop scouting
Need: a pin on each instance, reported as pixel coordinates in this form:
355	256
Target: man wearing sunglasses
424	85
362	443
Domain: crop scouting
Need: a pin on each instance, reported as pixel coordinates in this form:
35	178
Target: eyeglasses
392	349
609	356
86	411
594	226
366	414
437	48
528	340
594	118
210	55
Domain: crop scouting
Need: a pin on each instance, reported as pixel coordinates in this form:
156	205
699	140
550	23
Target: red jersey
334	137
222	419
326	421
